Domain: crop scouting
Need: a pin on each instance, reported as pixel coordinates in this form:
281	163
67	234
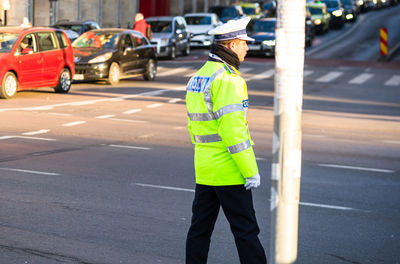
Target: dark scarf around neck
226	55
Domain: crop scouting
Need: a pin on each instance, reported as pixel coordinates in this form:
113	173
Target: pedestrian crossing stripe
249	75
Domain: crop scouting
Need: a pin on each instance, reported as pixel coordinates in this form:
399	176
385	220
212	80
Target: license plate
78	77
253	47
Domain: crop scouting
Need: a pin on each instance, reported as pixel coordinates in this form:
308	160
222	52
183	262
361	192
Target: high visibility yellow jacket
217	102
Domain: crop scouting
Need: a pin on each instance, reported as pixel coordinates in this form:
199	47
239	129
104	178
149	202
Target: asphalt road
105	174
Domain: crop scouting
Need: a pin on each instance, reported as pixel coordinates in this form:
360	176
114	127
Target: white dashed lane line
128	147
26	137
174	100
42	131
356	168
154	105
132	111
104	116
31	171
76	123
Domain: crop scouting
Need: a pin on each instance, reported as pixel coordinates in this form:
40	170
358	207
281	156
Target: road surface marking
31	171
83	103
74	123
329	77
356	168
25	137
165	187
132	111
313	135
154	105
42	131
306	73
391	142
362	78
246	69
394	81
129	120
174	100
263	75
104	116
174	71
192	191
60	114
128	147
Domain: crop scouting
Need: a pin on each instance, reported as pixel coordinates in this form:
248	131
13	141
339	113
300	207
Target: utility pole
286	166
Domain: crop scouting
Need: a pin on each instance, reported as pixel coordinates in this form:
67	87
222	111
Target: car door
181	33
128	56
53	57
30	62
140	49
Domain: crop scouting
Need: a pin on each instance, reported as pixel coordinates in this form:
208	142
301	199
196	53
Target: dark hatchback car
112	54
335	8
263	33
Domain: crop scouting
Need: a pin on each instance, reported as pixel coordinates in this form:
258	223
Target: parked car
336	11
252	10
112	54
34	57
319	16
309	29
269	8
263	33
170	35
199	24
79	27
226	13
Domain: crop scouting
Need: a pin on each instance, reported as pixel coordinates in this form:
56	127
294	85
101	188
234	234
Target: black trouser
237	204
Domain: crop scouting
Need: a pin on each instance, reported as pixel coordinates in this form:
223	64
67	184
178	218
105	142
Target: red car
33	58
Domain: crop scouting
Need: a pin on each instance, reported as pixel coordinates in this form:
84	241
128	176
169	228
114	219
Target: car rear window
198	20
7	41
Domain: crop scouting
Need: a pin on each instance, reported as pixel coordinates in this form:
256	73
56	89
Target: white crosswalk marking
173	71
245	69
394	81
306	73
263	75
329	77
362	78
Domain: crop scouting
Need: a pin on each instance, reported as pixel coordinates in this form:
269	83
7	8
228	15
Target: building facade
108	13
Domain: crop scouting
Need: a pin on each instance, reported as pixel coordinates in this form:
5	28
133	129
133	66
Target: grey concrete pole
286	167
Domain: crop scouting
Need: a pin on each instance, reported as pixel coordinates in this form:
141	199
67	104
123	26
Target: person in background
142	26
224	160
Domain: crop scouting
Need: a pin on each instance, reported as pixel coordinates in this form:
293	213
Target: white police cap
233	29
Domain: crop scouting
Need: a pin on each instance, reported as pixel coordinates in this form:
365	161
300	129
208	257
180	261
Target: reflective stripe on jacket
217	103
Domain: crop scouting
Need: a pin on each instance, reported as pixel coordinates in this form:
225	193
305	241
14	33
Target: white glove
252	182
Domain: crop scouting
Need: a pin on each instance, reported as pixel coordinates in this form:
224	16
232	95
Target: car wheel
64	82
113	74
9	86
151	71
186	51
172	55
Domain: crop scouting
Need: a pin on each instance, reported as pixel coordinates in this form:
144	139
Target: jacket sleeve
228	95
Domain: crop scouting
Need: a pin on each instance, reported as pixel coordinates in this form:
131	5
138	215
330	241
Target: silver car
199	24
170	35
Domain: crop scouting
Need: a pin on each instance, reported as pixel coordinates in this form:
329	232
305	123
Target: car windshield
198	20
249	10
346	2
331	4
268	6
103	40
261	26
160	26
7	41
315	11
76	28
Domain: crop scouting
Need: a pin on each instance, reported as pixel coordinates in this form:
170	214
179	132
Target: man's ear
231	45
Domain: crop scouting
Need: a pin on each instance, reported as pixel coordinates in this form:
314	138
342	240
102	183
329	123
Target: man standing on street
225	164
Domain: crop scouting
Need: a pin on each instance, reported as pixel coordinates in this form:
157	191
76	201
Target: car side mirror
178	31
128	49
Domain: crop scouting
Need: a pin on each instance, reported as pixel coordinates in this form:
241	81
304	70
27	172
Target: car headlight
337	13
101	58
317	21
269	42
164	41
